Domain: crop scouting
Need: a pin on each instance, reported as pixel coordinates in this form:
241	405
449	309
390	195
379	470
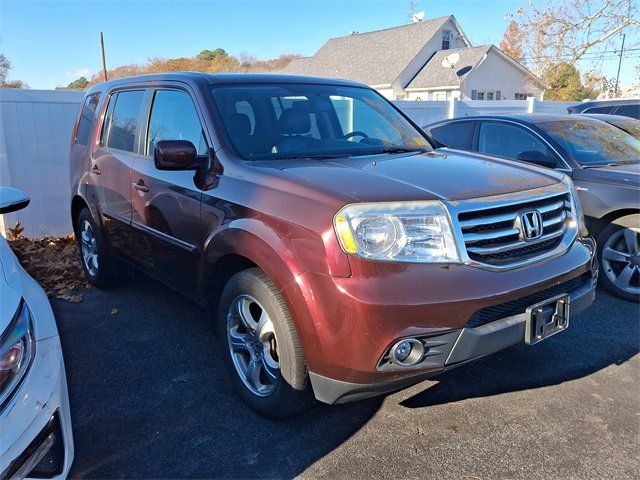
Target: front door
166	204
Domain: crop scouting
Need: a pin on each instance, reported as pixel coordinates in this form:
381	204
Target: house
406	62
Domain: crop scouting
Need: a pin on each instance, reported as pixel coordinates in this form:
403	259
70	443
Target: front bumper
35	425
356	320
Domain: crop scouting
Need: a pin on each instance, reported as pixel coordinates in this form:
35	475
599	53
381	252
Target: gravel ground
149	398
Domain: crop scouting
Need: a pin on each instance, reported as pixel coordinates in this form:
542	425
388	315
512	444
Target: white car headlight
576	207
418	232
16	351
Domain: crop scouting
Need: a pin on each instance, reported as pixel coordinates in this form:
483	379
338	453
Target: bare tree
573	30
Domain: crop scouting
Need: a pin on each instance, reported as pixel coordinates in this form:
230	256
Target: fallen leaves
55	263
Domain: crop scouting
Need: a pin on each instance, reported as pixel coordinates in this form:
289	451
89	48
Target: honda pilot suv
342	257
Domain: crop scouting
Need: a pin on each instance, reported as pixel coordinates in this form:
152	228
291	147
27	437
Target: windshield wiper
323	156
598	165
397	150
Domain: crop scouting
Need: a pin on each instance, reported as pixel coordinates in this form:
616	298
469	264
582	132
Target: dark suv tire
619	257
100	269
261	346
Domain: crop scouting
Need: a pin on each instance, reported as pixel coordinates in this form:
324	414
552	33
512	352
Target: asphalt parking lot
149	398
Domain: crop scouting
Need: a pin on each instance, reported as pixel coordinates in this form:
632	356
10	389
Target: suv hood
628	175
451	175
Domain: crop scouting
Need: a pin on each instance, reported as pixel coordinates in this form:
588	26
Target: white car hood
10	284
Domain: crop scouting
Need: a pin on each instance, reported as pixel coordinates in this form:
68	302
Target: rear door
166	204
111	162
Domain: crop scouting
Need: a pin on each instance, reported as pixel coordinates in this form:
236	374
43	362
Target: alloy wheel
253	346
621	259
89	247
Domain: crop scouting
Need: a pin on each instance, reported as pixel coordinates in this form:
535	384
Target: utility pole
620	65
104	61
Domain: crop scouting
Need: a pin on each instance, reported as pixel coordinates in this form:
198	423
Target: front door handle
140	186
95	170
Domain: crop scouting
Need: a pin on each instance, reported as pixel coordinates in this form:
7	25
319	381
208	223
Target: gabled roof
433	74
373	58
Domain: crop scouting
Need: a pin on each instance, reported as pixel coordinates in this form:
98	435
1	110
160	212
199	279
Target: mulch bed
55	264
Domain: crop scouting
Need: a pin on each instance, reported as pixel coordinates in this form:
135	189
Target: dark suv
343	256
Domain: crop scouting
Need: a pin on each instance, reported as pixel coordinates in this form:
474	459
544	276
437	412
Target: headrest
292	122
239	124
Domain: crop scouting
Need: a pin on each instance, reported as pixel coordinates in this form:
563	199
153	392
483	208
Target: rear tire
619	257
100	269
261	346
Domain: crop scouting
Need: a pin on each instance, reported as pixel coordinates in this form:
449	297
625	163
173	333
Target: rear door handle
140	186
95	170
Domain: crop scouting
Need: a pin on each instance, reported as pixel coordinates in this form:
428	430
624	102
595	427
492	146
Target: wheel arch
625	217
77	204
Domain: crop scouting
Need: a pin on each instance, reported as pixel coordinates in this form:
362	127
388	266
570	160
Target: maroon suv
342	255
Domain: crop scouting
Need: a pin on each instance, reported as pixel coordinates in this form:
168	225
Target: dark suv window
87	119
509	141
632	111
605	109
454	135
174	117
122	124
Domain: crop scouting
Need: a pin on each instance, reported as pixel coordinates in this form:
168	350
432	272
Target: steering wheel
356	133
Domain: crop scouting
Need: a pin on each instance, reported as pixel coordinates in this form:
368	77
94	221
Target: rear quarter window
457	135
87	119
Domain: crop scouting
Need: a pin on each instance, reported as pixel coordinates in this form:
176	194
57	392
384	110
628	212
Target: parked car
603	161
624	107
629	125
35	425
344	257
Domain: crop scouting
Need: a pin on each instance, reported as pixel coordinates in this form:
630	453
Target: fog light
407	353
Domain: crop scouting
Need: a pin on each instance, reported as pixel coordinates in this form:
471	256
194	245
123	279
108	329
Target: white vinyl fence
35	133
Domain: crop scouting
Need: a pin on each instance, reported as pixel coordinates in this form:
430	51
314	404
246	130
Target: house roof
373	58
433	74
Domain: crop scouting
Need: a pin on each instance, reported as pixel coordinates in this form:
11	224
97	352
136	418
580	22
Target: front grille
516	307
494	236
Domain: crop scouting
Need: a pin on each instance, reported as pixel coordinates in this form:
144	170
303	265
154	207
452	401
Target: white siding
495	73
431	47
35	133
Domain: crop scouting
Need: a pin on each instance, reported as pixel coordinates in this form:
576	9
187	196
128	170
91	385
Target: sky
51	43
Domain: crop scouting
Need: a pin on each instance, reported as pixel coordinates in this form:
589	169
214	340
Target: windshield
312	121
593	143
631	126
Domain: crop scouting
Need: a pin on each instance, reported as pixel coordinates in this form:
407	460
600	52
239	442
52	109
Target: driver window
174	117
509	141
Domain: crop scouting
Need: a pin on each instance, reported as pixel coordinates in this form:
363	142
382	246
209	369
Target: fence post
531	107
451	111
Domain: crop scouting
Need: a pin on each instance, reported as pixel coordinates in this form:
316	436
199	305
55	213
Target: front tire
100	269
261	346
619	257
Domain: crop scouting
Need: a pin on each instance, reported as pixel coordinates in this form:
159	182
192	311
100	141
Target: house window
480	96
446	39
523	96
439	96
489	95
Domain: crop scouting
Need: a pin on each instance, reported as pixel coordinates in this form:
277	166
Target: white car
35	424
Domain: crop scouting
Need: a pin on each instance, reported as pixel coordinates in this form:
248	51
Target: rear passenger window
174	117
608	109
123	123
87	119
632	111
454	135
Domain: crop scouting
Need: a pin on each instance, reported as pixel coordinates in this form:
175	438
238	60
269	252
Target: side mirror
12	199
176	155
537	157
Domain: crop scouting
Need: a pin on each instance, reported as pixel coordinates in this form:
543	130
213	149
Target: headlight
576	207
16	351
399	231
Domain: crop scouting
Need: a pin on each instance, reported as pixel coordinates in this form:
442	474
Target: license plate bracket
547	318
